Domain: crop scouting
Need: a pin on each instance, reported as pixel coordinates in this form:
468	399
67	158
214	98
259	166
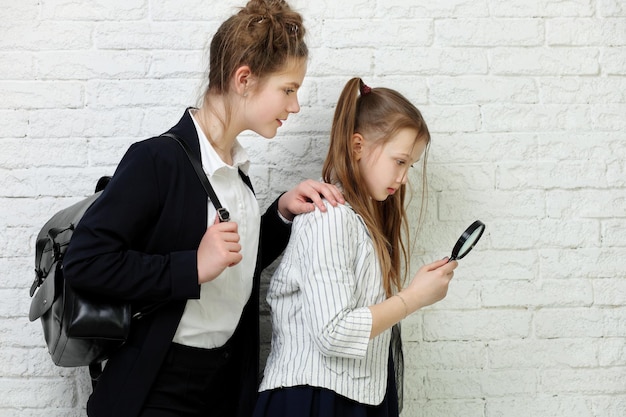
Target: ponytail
377	114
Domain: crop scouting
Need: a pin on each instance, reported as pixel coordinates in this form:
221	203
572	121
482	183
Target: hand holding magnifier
468	239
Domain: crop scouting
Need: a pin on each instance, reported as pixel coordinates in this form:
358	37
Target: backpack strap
222	213
95	370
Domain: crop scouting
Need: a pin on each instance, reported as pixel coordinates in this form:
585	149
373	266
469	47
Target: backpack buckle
223	214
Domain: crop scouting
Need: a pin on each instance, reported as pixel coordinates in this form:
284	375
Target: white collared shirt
210	321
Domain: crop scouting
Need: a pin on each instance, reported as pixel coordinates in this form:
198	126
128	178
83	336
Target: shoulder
161	147
158	151
340	216
337	229
158	146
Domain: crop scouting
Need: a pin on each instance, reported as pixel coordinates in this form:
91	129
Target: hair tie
365	89
293	29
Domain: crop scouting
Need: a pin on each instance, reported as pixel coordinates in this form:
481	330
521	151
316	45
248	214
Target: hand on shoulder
306	196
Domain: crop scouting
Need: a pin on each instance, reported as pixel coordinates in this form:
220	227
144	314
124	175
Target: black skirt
308	401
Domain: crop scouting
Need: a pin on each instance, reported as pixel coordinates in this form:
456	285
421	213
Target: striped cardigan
319	298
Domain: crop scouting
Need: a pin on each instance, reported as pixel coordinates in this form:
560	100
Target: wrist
281	207
404	304
411	300
283	218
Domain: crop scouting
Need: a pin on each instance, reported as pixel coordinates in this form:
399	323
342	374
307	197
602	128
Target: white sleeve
329	250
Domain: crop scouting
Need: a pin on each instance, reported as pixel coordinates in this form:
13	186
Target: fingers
230	238
306	196
450	265
298	207
437	264
430	283
445	262
218	249
224	227
234	258
315	191
443	268
330	192
447	269
231	249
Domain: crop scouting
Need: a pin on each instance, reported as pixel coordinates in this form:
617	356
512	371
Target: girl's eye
400	162
289	91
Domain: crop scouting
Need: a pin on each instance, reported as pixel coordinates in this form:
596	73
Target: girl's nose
294	105
404	176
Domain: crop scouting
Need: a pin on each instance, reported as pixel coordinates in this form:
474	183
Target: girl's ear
357	145
243	80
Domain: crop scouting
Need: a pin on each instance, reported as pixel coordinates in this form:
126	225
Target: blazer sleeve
107	254
274	235
328	251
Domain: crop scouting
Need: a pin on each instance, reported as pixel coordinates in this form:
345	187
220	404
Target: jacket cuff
277	219
184	275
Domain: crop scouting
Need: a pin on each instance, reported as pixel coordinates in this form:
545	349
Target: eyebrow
293	84
408	157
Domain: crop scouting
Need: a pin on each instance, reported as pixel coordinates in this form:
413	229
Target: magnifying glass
468	239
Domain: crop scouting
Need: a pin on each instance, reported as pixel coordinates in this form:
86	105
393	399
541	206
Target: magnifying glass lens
468	239
470	242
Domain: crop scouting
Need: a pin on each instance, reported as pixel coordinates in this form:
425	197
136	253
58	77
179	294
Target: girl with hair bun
153	237
338	294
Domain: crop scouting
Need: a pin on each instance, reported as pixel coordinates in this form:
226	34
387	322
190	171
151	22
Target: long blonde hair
377	114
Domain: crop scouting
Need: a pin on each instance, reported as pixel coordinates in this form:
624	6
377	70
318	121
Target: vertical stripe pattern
319	297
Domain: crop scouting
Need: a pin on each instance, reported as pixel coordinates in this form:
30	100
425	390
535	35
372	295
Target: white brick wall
526	101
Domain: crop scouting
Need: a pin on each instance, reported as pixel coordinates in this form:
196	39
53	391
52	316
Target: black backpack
79	329
70	335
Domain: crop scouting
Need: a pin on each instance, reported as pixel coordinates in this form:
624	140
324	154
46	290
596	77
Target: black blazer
138	243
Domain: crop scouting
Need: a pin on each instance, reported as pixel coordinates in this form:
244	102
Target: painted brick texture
526	103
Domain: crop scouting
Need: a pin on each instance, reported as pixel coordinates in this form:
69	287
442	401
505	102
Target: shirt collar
211	162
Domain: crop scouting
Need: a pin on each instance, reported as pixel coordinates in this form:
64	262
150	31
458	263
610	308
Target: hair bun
276	15
264	35
265	7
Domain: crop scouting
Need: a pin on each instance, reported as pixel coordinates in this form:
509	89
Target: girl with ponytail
338	294
153	237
